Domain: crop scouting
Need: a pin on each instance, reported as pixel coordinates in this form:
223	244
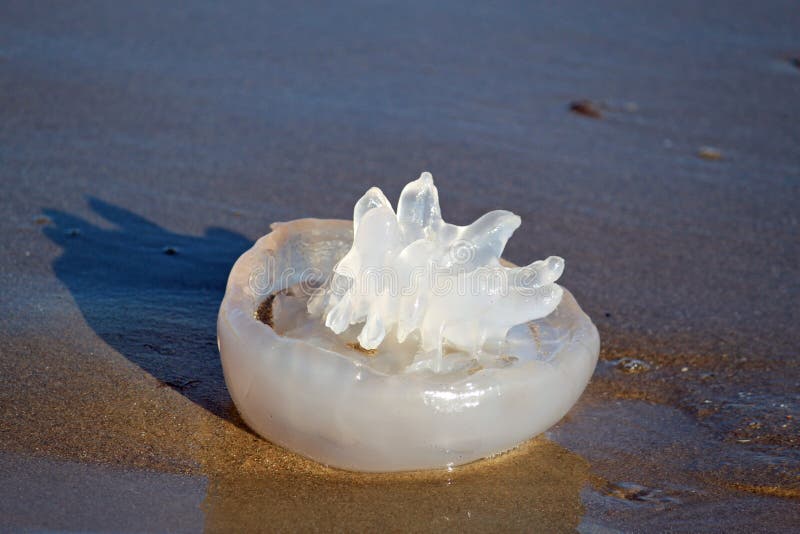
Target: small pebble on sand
632	365
709	152
585	108
169	251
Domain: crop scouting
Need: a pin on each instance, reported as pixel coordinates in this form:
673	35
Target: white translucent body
362	412
412	273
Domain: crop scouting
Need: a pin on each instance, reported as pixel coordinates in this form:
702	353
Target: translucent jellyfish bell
398	341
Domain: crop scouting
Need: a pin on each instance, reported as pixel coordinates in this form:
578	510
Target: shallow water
144	147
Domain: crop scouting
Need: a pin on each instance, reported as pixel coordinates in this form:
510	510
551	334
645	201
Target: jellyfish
397	341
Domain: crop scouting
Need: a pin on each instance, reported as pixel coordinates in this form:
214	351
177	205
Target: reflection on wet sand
537	486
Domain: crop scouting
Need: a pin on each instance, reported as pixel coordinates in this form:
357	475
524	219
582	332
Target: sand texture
143	147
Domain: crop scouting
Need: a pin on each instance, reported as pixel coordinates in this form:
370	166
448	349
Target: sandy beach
144	147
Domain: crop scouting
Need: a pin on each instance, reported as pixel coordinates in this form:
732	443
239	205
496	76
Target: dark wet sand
125	131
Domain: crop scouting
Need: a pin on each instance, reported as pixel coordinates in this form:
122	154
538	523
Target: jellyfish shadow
152	295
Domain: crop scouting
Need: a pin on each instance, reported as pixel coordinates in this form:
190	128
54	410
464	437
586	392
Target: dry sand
144	147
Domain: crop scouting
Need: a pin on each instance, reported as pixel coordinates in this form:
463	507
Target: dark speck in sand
634	492
608	315
795	61
585	108
632	365
179	384
170	251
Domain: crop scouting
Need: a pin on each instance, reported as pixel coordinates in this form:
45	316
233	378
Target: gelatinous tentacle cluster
411	272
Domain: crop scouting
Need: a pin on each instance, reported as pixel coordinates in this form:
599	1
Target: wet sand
143	148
